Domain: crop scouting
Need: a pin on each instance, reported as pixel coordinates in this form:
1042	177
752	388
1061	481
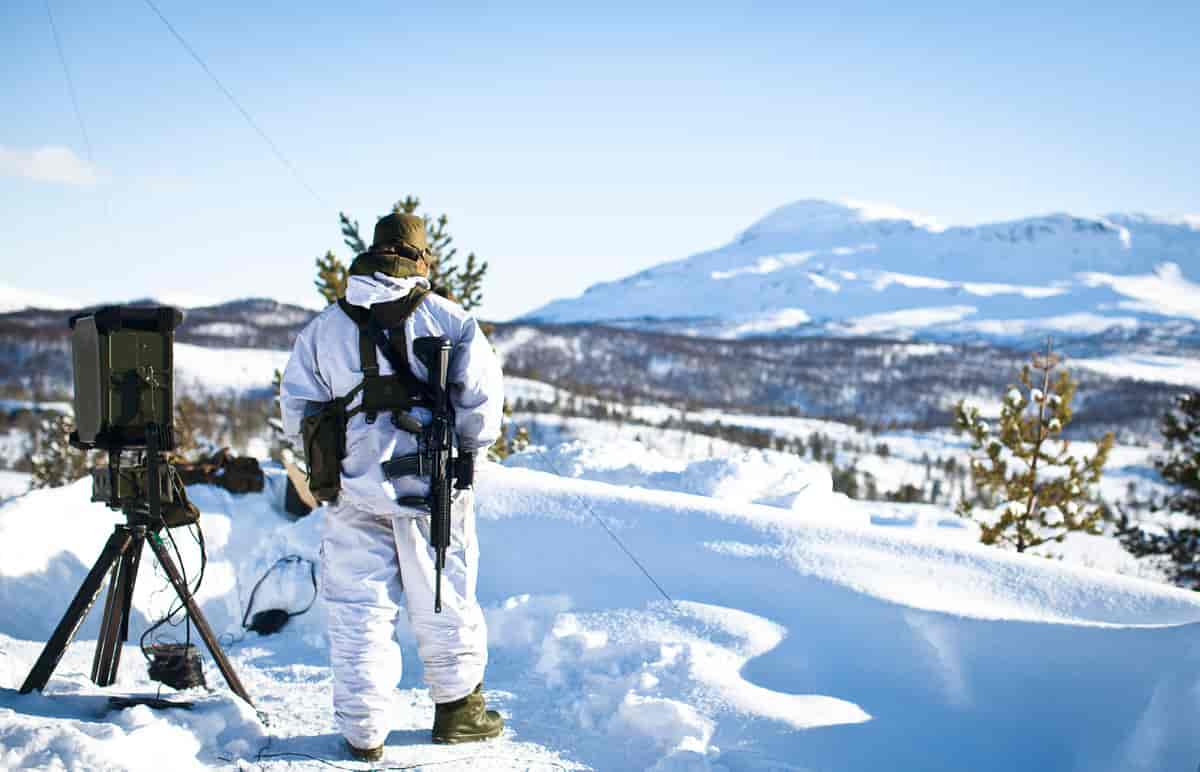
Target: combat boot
365	754
465	720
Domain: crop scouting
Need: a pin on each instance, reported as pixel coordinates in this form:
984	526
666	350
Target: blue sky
567	144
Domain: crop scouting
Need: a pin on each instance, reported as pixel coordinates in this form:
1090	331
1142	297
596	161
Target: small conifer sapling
1031	488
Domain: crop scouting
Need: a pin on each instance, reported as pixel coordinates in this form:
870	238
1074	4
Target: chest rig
383	328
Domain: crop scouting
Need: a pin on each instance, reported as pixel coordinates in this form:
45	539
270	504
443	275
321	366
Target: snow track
793	643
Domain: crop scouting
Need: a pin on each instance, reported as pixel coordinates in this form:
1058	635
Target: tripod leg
80	606
114	630
134	556
210	640
108	623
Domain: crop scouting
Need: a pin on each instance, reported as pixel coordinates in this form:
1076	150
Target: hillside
234	349
800	639
869	381
815	267
217	347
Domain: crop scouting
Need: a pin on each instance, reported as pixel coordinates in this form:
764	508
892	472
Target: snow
1167	291
886	279
12	484
1180	371
15	444
1083	323
826	216
989	289
226	369
232	330
16	299
819	634
906	320
875	210
765	324
768	264
765	476
527	389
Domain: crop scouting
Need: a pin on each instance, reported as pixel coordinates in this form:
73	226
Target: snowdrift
793	640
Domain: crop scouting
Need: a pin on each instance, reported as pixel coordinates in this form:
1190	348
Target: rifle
434	456
434	353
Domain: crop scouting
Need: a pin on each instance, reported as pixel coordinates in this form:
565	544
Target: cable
233	100
177	665
173	609
249	624
187	618
608	530
87	142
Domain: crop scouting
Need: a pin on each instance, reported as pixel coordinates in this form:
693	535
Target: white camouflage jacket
325	363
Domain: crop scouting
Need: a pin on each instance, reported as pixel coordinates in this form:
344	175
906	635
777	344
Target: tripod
120	558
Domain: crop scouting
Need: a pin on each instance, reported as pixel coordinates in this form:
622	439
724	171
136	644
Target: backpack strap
366	347
371	324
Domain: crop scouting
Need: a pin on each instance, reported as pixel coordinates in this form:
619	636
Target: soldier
375	543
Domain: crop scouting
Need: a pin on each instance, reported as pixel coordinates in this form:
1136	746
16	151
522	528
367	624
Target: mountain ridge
817	267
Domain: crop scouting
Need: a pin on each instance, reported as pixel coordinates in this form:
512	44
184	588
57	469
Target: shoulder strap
372	338
371	324
366	347
356	313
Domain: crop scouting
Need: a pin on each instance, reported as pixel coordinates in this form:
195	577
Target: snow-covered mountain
820	267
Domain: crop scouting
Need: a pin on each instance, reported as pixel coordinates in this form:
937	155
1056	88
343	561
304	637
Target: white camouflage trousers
369	562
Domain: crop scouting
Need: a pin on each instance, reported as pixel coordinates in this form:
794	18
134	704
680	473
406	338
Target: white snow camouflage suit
373	549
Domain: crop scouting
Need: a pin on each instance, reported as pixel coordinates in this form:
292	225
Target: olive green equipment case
126	487
124	380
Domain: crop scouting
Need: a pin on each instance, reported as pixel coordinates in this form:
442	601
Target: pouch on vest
324	434
384	393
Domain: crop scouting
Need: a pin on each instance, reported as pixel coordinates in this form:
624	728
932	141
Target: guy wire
62	57
608	530
238	105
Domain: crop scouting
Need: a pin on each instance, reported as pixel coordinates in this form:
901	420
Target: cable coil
177	665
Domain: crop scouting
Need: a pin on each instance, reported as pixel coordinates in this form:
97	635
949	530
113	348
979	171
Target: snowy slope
796	640
16	299
819	266
200	369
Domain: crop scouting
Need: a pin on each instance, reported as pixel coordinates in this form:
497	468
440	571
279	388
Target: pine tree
332	273
1033	489
1179	544
53	461
331	277
350	234
189	415
505	445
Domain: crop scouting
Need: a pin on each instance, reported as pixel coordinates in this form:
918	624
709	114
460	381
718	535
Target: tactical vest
324	430
401	391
